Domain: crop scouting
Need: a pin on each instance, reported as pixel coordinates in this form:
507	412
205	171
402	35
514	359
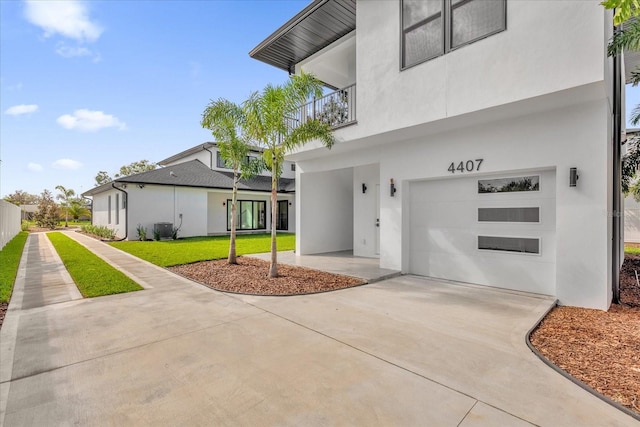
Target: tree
47	214
135	167
226	121
132	168
268	122
102	178
625	9
65	196
20	197
78	208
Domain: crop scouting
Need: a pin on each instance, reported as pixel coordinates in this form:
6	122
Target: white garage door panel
444	230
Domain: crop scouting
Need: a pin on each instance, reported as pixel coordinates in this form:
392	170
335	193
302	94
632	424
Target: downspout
210	156
126	213
616	256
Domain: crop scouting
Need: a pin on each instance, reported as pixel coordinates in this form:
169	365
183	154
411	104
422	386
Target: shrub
99	231
156	234
174	233
47	213
142	233
24	226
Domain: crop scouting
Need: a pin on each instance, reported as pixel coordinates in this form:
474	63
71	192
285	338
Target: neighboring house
192	193
631	205
470	118
28	212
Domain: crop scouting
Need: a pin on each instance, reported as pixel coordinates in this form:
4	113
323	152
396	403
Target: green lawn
184	251
631	250
93	276
9	260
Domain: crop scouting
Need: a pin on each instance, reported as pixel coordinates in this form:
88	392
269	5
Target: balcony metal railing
336	108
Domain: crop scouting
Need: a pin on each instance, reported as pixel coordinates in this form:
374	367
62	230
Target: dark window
509	214
109	210
283	215
508	185
432	28
220	161
509	244
117	209
124	201
250	215
293	167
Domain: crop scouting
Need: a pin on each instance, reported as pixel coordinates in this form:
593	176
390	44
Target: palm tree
65	195
268	121
77	209
225	120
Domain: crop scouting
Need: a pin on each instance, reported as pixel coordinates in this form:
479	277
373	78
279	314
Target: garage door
494	230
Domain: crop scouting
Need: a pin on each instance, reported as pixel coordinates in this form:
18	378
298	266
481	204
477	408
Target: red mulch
250	276
600	348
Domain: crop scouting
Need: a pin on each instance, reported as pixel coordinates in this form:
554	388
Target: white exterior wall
325	201
558	139
631	220
10	221
100	214
365	210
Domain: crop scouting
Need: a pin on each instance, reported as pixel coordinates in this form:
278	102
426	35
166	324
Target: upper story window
432	28
220	163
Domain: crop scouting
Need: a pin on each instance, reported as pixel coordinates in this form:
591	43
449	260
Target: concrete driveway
405	351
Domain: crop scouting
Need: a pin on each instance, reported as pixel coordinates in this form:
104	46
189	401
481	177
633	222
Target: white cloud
66	164
69	51
68	18
34	167
17	110
90	121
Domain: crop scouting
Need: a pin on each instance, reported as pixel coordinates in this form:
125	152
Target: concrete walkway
405	351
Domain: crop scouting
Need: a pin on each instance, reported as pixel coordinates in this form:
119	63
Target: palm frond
627	38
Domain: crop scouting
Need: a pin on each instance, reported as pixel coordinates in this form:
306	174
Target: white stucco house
192	191
459	125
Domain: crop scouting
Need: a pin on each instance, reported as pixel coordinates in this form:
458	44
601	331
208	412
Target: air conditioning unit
163	229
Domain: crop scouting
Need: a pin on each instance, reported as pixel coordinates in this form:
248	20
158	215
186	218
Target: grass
631	250
9	260
93	276
185	251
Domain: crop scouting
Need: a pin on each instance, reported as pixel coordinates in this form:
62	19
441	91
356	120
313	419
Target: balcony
338	109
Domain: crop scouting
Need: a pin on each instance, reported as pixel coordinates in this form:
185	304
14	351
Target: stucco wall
365	231
325	204
557	139
9	222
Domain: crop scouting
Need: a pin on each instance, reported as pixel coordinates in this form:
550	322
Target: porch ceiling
314	28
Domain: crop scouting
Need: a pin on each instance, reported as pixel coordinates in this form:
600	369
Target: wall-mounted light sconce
392	188
223	204
289	203
140	185
364	188
573	177
124	185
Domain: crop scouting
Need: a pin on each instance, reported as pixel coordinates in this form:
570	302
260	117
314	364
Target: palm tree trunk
273	268
232	240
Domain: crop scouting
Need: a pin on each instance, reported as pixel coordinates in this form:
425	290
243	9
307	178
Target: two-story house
191	192
477	140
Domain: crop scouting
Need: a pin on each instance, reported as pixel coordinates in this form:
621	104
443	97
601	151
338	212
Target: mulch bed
250	276
601	349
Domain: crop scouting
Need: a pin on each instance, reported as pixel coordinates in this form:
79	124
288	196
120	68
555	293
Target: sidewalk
405	351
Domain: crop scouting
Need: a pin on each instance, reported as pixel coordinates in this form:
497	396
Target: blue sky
93	85
90	86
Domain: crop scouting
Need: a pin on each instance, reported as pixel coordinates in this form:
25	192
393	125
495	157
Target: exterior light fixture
223	204
140	185
364	188
573	177
392	188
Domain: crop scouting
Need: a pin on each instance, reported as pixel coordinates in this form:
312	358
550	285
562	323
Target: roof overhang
317	26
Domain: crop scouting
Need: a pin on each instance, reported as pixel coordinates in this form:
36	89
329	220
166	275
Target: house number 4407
465	166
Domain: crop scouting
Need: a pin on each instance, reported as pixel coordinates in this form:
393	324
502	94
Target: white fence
9	222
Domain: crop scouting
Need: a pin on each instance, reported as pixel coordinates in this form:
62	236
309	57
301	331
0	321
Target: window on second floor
220	161
431	28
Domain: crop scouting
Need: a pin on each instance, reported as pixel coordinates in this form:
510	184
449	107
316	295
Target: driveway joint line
391	363
468	412
79	362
